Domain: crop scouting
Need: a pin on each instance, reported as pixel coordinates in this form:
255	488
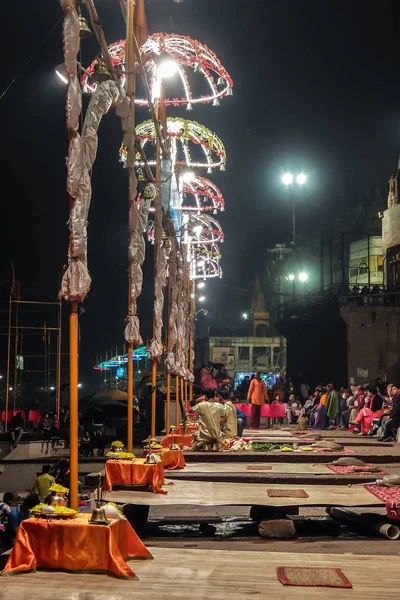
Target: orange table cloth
181	440
134	472
76	546
173	459
170	459
189	429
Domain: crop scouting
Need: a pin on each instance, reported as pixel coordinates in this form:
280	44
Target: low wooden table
170	459
76	546
134	472
182	440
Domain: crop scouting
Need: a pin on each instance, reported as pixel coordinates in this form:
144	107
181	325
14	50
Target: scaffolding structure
34	335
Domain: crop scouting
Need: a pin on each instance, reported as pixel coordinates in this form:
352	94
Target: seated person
230	425
86	445
5	509
293	410
19	514
241	417
211	416
390	426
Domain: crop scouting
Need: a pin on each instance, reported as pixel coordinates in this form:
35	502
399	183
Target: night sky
316	88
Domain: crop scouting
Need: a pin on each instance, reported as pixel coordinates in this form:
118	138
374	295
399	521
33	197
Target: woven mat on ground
287	493
391	497
258	467
313	577
354	470
344	451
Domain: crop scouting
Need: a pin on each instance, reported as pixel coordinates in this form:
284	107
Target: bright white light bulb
197	230
166	67
301	179
287	178
245	316
188	176
202	298
303	276
79	385
291	277
201	285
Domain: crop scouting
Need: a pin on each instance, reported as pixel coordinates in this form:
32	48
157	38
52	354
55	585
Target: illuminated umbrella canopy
201	229
192	144
189	55
204	261
196	229
199	194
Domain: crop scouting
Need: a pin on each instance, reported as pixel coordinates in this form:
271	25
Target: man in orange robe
258	396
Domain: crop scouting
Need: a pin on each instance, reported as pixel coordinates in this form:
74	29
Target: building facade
256	351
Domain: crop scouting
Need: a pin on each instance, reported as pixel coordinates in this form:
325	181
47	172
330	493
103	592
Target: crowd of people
372	409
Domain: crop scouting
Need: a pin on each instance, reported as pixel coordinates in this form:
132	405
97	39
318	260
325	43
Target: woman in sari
207	379
372	409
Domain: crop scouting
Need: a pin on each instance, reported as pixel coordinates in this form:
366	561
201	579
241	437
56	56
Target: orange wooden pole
177	401
73	404
168	405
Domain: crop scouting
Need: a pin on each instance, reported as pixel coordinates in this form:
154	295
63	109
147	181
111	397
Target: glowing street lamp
301	179
303	276
287	179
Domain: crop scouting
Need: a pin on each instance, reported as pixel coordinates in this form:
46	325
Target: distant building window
363	270
244	353
261	357
261	331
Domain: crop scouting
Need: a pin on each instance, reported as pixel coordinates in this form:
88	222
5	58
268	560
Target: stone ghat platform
179	574
279	473
200	493
377	454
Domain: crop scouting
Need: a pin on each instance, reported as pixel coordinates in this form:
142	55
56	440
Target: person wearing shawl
320	418
333	403
212	419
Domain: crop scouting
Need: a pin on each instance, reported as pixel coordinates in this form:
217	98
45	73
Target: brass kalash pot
172	431
99	514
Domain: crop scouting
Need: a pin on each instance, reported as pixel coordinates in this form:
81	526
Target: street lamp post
288	179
